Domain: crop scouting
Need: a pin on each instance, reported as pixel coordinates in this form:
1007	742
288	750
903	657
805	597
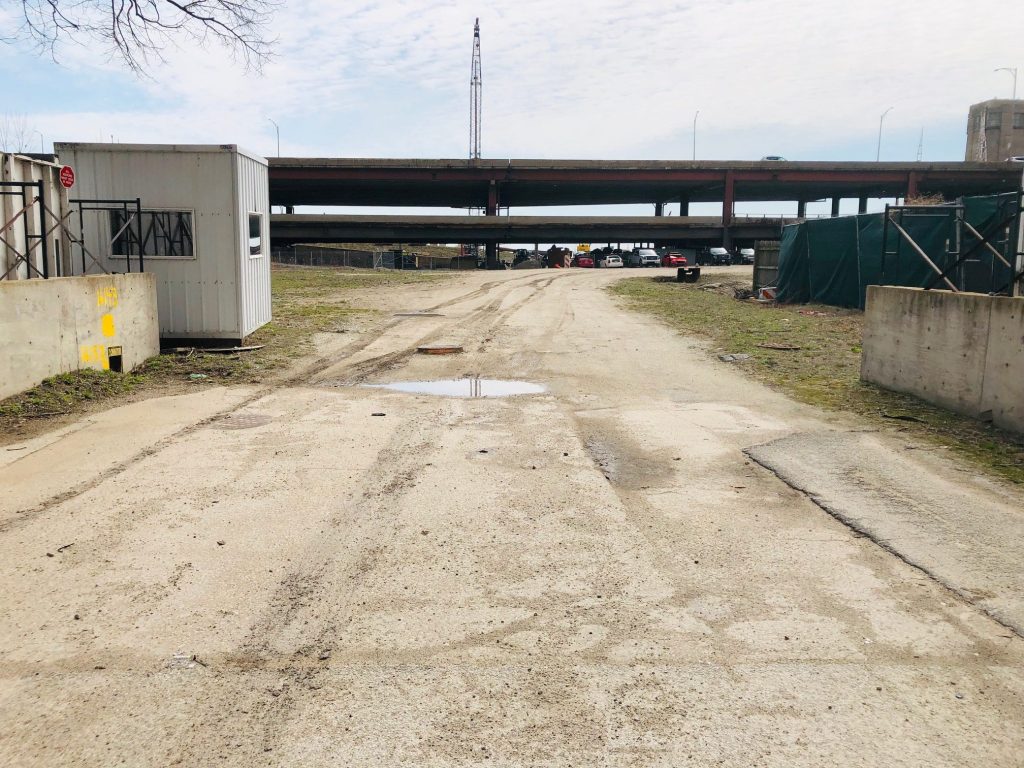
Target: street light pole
277	129
1013	74
878	151
695	134
42	141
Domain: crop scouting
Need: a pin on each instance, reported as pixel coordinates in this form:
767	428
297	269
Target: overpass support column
728	204
862	205
835	206
684	205
492	210
492	199
912	184
728	199
801	209
289	209
659	209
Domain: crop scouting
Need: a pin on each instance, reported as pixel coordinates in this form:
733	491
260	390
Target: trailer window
255	234
165	234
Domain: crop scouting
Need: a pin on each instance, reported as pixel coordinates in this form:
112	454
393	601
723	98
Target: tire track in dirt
298	378
483	320
295	636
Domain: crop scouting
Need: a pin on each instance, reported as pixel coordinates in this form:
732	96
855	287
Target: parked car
649	258
720	256
747	255
673	259
774	158
642	257
583	260
612	260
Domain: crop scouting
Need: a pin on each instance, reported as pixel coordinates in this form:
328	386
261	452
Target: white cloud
578	78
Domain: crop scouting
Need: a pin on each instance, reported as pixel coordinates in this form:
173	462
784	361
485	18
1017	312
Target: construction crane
475	93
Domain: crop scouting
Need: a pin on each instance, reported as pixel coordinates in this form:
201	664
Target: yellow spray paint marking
107	324
106	297
94	353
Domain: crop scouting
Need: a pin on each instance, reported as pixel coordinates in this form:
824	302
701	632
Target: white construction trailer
204	231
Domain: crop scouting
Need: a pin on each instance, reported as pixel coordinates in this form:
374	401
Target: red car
583	261
673	259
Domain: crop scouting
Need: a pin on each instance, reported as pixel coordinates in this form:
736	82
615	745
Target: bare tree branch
137	31
15	133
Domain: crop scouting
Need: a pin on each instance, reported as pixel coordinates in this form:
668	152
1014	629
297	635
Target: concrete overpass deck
288	229
491	184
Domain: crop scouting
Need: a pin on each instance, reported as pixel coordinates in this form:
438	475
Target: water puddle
467	387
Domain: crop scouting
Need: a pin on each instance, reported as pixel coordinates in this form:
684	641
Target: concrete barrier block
1004	365
62	324
932	344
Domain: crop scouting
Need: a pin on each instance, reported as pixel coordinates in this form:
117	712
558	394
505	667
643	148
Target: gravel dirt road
321	573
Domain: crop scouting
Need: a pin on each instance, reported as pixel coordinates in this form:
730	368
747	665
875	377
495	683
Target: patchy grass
323	282
60	394
305	301
824	370
436	251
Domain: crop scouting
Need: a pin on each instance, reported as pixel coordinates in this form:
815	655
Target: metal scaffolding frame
50	222
131	213
21	189
966	244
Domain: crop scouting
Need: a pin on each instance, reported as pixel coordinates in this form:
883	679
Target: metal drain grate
243	421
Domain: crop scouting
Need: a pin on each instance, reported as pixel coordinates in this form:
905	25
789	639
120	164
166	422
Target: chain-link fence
380	258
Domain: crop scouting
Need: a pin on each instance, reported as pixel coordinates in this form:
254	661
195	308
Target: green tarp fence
833	261
986	214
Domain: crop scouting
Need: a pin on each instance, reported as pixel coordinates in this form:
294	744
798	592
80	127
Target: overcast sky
573	78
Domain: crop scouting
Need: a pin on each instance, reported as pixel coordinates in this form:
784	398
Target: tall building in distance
995	130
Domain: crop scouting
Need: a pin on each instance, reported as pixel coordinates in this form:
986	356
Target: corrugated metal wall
19	168
253	195
202	297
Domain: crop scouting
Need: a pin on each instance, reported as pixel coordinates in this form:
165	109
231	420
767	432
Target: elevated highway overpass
493	184
289	229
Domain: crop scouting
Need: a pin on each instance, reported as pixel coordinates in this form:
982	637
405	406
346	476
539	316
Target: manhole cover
439	349
243	421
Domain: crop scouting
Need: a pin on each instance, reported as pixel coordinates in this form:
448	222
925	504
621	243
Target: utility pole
695	134
277	130
1013	74
878	152
920	146
476	86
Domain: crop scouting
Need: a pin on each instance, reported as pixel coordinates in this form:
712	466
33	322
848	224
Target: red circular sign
67	177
